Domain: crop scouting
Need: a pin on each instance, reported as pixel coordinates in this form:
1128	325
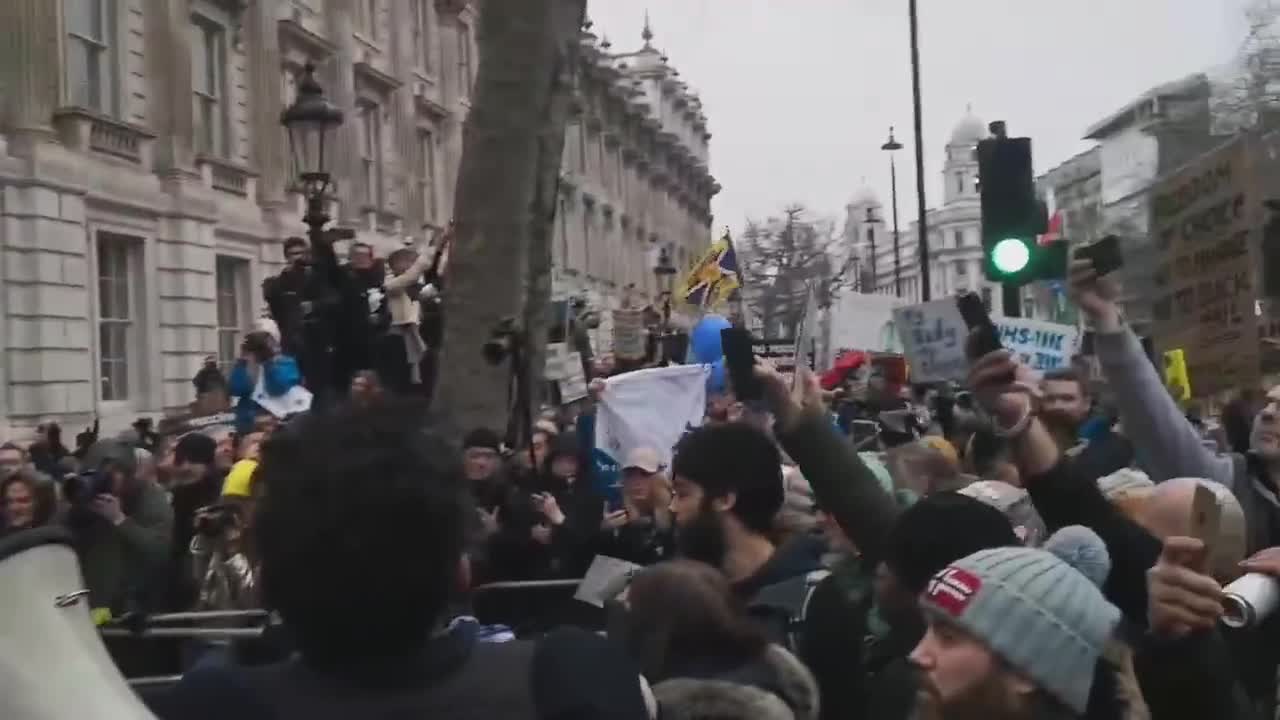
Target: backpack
784	606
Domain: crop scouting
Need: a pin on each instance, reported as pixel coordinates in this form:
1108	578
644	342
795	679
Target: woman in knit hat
1017	634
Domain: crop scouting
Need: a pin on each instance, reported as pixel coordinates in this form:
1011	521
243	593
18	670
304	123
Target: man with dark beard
1066	408
727	481
1016	634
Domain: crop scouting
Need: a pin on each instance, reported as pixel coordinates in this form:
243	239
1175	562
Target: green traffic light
1010	255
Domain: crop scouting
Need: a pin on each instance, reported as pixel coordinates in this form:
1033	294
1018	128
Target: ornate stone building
635	176
955	230
145	188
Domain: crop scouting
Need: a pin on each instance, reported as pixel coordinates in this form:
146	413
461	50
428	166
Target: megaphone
54	665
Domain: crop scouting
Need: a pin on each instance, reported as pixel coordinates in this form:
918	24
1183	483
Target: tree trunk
494	212
567	19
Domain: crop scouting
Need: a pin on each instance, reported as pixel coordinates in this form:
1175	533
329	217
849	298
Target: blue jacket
280	373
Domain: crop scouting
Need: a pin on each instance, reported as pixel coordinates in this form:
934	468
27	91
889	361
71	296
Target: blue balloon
704	341
717	381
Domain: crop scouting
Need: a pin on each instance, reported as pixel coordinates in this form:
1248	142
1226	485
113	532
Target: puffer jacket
776	686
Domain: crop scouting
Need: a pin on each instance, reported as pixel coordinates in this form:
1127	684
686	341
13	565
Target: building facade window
962	269
231	280
117	315
465	74
422	33
960	183
208	70
370	121
90	62
426	163
958	238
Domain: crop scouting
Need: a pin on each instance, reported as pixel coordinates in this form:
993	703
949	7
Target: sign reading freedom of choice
933	336
1205	219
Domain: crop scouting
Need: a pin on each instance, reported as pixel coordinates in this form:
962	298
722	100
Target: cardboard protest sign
1205	219
628	334
933	338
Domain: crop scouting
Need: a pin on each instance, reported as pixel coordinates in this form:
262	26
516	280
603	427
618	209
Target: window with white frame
118	327
370	119
426	162
958	238
208	73
231	281
90	63
465	73
422	33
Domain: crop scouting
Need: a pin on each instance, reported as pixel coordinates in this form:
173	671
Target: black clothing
454	677
186	500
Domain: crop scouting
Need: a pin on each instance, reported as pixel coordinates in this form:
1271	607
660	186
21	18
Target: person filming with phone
122	525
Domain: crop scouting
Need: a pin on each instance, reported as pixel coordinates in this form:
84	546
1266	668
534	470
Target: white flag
650	409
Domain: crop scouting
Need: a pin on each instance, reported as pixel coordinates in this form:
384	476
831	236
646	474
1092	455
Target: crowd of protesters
1016	548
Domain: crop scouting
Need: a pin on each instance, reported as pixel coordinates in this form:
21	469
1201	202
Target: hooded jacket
775	686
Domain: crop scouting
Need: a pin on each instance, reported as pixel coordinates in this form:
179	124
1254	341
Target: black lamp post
665	273
892	147
310	120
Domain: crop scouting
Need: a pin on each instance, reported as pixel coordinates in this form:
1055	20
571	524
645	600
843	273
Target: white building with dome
955	230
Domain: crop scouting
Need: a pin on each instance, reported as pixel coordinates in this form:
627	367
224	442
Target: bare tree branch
780	257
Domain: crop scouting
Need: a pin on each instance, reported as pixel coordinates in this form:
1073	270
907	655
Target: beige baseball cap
645	459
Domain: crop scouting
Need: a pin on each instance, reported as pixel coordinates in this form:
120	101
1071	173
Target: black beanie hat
939	530
580	675
482	438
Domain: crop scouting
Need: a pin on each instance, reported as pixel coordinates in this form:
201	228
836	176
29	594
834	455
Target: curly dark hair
360	529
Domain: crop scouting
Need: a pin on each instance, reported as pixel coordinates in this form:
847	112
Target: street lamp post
922	218
872	221
892	147
310	120
665	273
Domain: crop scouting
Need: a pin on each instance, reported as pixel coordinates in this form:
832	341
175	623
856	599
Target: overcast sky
800	94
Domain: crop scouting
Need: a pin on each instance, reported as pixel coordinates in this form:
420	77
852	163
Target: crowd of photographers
1019	548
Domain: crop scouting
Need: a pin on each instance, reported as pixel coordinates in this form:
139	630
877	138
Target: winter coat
280	374
776	686
401	304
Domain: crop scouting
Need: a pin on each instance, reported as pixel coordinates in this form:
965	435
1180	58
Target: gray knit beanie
1032	609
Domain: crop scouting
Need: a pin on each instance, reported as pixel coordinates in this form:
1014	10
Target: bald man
1167	513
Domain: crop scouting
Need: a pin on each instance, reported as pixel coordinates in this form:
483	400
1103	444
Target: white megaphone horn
53	664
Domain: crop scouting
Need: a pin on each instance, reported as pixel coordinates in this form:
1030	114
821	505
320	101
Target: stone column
339	83
270	151
168	57
29	63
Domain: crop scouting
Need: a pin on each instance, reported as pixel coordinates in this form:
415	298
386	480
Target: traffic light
1012	216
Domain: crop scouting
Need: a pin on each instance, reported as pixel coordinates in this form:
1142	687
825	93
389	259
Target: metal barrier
529	607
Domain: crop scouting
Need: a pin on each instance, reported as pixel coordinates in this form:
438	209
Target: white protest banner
573	385
933	336
557	362
650	409
628	334
1042	346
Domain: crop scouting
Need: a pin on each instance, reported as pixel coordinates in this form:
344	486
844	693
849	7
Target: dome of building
969	130
865	195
